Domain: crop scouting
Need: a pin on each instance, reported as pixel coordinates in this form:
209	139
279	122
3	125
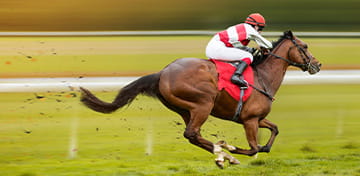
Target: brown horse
188	87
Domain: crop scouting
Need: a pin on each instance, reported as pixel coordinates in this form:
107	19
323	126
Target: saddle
225	70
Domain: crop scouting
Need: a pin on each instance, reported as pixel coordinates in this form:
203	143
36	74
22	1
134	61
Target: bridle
306	66
307	60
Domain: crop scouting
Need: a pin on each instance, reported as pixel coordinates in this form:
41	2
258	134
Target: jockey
231	45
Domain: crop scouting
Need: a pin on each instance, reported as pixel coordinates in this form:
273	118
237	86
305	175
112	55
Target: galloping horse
188	86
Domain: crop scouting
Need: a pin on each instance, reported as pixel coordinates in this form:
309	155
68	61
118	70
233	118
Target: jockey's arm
261	41
252	34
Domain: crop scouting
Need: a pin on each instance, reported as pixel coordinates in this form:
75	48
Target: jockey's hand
265	51
257	52
248	49
251	50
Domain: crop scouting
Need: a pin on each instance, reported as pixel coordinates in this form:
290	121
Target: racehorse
188	86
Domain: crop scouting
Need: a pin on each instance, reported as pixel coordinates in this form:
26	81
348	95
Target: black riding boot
236	77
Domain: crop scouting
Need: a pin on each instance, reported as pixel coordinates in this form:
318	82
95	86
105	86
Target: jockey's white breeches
216	49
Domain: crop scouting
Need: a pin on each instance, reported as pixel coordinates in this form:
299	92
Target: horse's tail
148	85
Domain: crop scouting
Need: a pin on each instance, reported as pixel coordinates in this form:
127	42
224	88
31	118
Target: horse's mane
286	35
258	59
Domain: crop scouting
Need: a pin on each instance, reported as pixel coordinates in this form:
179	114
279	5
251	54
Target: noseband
307	60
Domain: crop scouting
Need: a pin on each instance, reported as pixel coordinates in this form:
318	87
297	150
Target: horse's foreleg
251	129
264	123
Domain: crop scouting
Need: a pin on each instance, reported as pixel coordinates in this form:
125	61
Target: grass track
319	132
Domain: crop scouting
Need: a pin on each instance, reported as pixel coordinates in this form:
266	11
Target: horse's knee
275	130
191	135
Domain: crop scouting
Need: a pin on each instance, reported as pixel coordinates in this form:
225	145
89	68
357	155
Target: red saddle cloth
226	70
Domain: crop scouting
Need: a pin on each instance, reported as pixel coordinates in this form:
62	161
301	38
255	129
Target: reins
263	92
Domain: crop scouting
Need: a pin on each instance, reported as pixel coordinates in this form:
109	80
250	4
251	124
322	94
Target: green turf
130	55
319	132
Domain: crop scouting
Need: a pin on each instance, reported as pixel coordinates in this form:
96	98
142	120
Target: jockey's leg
236	77
217	50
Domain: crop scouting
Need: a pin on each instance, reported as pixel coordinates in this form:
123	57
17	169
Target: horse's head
298	54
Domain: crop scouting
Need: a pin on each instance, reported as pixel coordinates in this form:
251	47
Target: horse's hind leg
194	120
192	132
264	123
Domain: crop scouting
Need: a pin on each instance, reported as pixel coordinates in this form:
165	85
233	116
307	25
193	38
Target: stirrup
243	87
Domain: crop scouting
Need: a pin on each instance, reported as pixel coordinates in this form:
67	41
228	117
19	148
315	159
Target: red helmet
255	19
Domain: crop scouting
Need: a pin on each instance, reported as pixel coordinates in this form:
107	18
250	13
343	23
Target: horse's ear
288	34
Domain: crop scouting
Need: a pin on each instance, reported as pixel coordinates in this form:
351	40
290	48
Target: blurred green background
77	15
37	128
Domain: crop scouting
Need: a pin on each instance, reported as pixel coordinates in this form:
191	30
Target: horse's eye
306	46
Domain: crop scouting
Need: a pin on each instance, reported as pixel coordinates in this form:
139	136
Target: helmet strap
253	20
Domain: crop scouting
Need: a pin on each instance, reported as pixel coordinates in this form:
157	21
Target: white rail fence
115	83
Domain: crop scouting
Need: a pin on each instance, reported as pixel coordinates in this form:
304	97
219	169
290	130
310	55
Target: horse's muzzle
314	68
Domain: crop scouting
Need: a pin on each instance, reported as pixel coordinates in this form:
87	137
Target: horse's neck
271	73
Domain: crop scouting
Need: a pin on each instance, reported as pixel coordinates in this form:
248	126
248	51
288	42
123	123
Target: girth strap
239	106
240	103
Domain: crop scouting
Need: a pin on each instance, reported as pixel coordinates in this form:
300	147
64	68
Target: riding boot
236	77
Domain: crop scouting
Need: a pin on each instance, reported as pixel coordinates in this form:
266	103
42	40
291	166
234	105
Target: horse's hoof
265	149
234	161
220	163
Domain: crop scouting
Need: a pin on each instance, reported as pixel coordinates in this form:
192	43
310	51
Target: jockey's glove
248	49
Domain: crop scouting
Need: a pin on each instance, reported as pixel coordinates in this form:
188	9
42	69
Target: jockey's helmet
256	19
